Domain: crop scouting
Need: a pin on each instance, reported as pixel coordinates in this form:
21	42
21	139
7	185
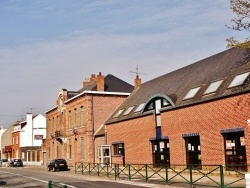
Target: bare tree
240	23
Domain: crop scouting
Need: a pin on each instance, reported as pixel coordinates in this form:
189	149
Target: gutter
90	92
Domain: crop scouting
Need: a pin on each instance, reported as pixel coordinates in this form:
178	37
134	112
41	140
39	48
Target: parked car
16	163
5	162
57	164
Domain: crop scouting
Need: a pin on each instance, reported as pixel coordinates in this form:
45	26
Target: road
26	177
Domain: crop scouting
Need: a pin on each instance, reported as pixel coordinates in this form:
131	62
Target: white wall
39	128
34	127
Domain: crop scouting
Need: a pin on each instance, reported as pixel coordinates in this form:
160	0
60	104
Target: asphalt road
26	177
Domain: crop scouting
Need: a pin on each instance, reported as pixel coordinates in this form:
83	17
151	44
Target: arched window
158	101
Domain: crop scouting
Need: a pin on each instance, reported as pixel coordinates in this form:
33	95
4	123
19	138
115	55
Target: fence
185	175
54	185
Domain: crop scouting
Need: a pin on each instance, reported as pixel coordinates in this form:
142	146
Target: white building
31	135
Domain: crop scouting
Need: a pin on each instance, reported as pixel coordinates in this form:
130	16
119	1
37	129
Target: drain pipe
93	129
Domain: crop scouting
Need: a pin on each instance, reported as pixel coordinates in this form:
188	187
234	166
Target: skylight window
128	110
118	113
213	87
139	108
191	93
238	80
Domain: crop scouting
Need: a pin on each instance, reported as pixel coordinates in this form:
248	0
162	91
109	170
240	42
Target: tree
240	23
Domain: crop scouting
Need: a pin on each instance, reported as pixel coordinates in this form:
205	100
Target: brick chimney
89	81
100	82
92	78
85	83
137	82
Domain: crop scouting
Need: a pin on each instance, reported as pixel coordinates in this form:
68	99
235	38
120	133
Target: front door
193	151
161	155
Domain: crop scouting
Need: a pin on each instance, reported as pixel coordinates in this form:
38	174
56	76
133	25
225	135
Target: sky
52	44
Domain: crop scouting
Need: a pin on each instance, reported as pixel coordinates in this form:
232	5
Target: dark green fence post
118	170
166	168
116	173
129	172
222	176
82	167
50	184
146	167
98	171
89	168
191	175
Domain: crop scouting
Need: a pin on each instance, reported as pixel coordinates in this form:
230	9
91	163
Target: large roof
111	84
219	69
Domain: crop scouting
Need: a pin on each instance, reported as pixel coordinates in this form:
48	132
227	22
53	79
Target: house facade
75	126
15	141
198	114
6	142
31	135
27	137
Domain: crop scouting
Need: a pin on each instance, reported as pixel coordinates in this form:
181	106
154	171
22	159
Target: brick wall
135	134
102	107
208	119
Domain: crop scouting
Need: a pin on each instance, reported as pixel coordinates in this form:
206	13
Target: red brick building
199	114
75	126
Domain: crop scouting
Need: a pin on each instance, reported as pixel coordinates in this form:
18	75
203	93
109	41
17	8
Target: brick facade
207	119
15	145
75	127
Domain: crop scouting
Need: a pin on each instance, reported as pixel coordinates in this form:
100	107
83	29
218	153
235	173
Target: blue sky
52	44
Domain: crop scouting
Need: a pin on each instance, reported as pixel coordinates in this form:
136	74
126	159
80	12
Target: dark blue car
57	164
16	163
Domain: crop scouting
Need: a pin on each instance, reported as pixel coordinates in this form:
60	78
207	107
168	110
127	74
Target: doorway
160	152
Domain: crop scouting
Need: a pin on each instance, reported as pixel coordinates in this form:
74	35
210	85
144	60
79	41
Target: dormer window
118	113
239	80
128	110
139	108
158	102
191	93
213	87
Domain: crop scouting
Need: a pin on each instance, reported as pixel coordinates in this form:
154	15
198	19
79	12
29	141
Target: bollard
247	177
50	184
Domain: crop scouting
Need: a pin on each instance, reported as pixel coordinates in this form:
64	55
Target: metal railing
95	169
186	175
55	185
